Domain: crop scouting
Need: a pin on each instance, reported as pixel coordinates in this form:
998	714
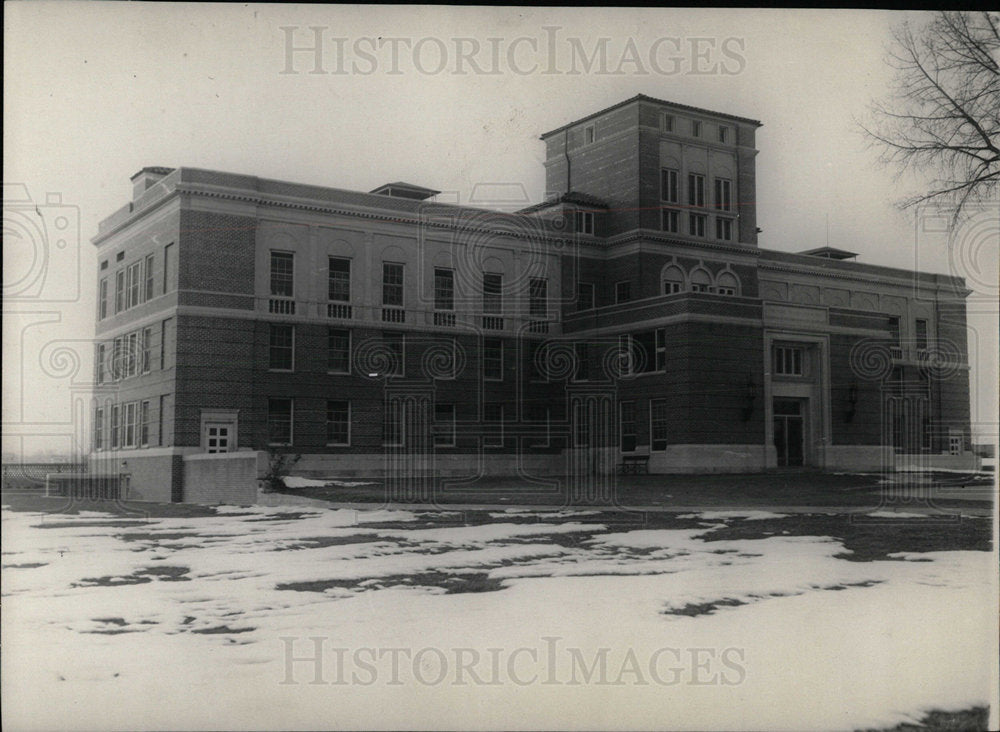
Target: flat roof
644	98
155	170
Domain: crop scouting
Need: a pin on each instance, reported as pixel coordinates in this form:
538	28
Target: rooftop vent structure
405	190
830	253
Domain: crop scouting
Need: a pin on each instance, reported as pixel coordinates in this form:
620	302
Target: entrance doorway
789	432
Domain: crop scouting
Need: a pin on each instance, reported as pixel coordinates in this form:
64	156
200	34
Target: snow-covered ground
217	623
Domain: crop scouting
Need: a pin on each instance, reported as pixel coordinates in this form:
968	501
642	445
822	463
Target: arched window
727	284
672	280
701	281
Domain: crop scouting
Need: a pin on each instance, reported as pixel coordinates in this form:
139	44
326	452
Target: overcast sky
94	91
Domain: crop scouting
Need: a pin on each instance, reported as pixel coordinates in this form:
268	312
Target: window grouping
694	213
126	356
125	425
674	279
134	284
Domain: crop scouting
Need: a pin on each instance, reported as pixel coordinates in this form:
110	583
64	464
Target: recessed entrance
789	432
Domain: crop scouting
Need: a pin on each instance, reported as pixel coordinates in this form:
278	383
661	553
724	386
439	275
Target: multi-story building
631	313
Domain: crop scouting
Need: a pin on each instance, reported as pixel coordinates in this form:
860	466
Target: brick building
631	313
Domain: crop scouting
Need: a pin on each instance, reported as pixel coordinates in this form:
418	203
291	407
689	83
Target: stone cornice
872	278
661	237
532	229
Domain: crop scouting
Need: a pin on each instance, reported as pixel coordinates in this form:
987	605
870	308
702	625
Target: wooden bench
634	464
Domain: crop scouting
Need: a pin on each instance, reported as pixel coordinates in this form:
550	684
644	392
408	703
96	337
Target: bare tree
944	115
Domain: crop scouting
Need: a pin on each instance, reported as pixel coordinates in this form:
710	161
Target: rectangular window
281	347
338	360
723	133
667	122
538	294
279	421
395	345
444	288
338	423
168	255
147	348
649	351
724	229
921	335
696	224
695	128
134	284
584	222
164	330
115	426
669	220
584	296
103	304
669	190
589	134
99	429
540	418
392	284
492	359
444	425
788	360
117	361
120	291
129	424
696	190
723	194
582	353
144	424
672	285
581	423
282	274
101	356
339	280
626	357
392	424
147	294
623	291
446	366
658	424
626	422
894	334
160	414
536	366
492	293
132	354
493	423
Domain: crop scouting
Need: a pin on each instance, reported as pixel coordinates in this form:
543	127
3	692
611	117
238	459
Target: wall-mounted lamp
852	401
749	397
124	464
